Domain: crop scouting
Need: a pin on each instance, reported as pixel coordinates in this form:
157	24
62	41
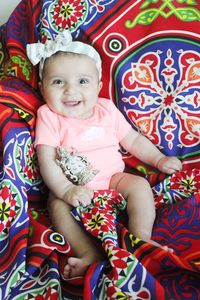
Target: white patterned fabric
39	52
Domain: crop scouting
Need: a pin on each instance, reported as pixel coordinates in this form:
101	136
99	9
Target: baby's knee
139	186
131	185
140	182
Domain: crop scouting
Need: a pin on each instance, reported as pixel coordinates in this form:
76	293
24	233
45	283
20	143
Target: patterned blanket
151	70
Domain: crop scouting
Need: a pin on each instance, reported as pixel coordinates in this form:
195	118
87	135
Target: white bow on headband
38	52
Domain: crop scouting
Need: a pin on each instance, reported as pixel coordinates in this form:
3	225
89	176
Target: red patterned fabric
151	62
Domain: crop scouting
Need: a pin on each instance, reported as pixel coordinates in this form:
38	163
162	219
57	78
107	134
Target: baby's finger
173	170
85	202
169	169
86	199
90	194
75	202
178	166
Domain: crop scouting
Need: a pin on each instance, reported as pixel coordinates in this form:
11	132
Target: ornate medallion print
159	93
67	14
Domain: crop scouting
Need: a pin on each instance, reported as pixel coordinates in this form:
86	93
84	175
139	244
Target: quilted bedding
151	70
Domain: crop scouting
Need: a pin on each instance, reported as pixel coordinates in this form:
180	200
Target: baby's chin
74	113
84	115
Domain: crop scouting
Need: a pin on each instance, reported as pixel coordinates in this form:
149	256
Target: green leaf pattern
149	15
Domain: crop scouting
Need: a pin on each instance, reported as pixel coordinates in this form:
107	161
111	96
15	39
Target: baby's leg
140	204
85	251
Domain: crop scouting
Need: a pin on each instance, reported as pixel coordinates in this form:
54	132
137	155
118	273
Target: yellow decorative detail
22	113
96	222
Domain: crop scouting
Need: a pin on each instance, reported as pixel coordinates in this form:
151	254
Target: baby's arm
139	146
57	182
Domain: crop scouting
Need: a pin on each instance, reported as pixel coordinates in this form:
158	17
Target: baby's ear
100	85
40	86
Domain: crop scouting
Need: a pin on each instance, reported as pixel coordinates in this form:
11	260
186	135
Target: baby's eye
83	81
58	82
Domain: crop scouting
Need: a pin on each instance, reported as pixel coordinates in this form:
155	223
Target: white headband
38	52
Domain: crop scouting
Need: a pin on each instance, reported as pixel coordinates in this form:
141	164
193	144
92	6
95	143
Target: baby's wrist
67	189
160	158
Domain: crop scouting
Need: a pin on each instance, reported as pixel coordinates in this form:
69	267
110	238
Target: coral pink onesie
97	138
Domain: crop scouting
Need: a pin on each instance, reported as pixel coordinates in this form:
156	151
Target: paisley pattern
151	70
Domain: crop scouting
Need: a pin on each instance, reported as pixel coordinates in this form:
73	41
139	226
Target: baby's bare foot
166	248
75	267
146	236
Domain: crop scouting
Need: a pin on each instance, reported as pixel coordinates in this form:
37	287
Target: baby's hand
169	164
77	195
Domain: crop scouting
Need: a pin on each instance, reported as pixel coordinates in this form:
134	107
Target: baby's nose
69	88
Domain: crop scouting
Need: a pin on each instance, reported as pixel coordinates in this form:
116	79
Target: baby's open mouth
71	103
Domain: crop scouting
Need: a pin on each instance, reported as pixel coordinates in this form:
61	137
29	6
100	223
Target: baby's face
70	85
